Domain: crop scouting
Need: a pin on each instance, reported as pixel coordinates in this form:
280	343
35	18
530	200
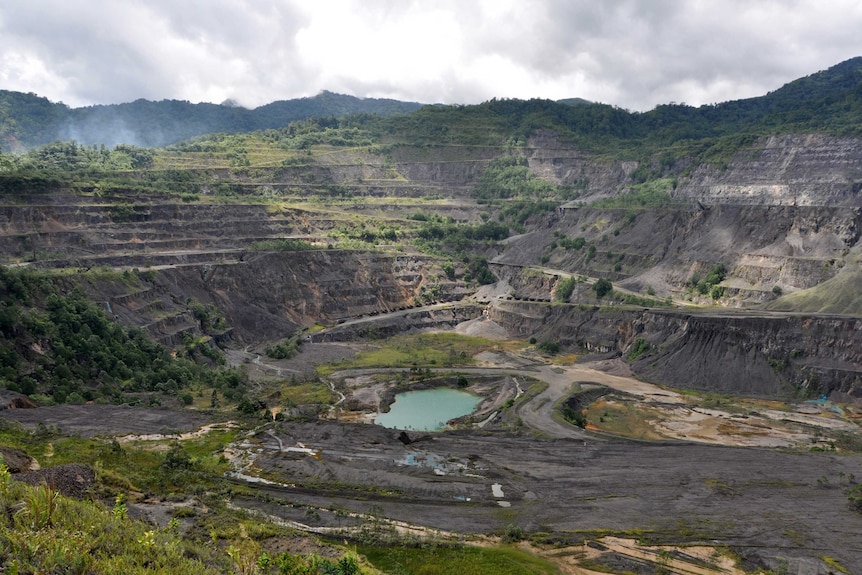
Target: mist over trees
829	101
28	120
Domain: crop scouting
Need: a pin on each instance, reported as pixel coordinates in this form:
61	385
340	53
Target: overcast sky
630	53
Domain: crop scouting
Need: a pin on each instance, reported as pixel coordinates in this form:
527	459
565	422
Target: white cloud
631	53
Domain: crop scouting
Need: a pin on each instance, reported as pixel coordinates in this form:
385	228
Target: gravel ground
108	420
765	503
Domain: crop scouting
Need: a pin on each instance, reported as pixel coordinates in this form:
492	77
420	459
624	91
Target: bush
603	287
177	458
549	347
285	349
513	534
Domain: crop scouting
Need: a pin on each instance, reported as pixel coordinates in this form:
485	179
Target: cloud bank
635	54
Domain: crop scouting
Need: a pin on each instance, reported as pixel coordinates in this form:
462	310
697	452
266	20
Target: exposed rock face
760	355
562	164
402	322
790	170
271	295
760	246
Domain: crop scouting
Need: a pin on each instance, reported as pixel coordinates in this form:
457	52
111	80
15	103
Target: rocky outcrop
594	178
14	400
786	170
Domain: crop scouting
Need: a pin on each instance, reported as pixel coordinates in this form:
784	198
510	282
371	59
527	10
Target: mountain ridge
829	100
28	120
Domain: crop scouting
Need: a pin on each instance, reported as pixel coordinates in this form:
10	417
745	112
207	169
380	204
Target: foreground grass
456	561
44	532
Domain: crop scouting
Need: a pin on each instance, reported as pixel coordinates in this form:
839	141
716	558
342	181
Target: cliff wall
760	246
764	355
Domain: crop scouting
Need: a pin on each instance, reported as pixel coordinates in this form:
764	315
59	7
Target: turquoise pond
427	409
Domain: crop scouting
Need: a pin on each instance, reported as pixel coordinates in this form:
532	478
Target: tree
603	287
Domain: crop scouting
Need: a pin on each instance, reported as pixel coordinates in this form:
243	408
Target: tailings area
763	503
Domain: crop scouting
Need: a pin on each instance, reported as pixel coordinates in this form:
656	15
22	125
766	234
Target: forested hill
27	120
829	101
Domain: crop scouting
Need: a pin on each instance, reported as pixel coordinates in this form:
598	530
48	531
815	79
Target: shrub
603	287
549	347
177	458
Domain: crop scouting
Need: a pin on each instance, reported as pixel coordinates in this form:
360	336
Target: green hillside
27	120
829	101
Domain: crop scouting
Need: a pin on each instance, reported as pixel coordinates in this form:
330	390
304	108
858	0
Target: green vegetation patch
456	561
285	349
647	195
306	393
709	284
438	234
564	288
510	177
44	532
59	347
427	349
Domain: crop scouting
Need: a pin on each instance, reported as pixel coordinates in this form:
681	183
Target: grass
136	466
211	443
44	532
422	350
308	393
839	295
456	561
56	534
650	194
834	564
